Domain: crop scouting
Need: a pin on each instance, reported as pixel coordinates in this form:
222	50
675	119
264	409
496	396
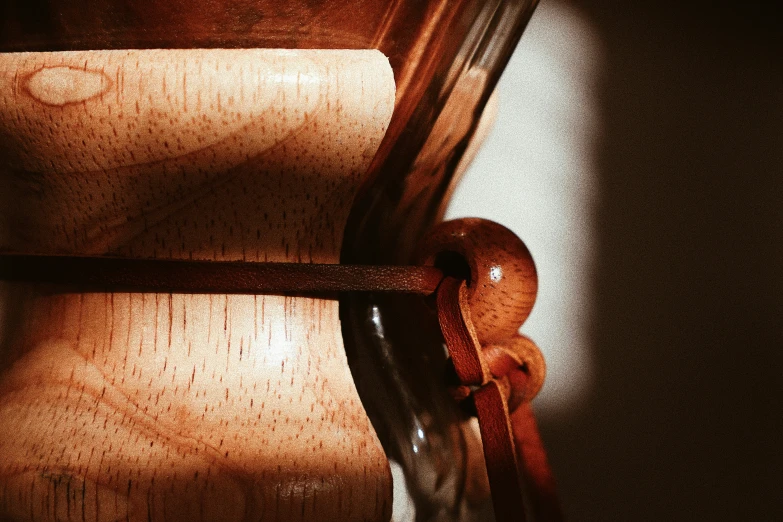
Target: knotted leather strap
514	456
513	451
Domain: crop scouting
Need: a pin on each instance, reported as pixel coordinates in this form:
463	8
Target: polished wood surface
501	274
184	407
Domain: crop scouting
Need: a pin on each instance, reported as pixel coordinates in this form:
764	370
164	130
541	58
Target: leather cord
515	459
209	277
513	451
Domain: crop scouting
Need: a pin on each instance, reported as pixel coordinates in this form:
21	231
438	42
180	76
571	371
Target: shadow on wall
684	418
536	174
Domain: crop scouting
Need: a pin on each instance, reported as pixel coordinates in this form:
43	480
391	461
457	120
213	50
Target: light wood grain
184	407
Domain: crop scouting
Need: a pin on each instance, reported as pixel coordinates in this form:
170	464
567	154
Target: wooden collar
499	373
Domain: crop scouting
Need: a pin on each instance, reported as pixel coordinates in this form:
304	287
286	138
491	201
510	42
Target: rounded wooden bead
502	280
519	359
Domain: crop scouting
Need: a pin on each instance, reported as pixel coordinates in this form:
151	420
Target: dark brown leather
505	479
514	455
224	277
513	451
459	334
532	459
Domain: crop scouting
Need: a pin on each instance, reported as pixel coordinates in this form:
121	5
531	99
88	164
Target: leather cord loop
513	452
459	334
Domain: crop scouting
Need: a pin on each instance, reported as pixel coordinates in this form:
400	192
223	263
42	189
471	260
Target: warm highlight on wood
502	279
184	407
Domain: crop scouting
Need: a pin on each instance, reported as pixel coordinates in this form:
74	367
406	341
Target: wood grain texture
501	274
184	407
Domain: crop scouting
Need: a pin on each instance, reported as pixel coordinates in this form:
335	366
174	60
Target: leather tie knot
517	366
488	291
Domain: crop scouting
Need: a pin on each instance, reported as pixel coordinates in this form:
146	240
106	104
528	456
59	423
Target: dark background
684	421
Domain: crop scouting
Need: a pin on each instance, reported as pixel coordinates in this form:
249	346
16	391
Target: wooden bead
520	359
502	280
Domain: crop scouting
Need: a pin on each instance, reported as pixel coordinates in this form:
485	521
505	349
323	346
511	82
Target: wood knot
63	85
